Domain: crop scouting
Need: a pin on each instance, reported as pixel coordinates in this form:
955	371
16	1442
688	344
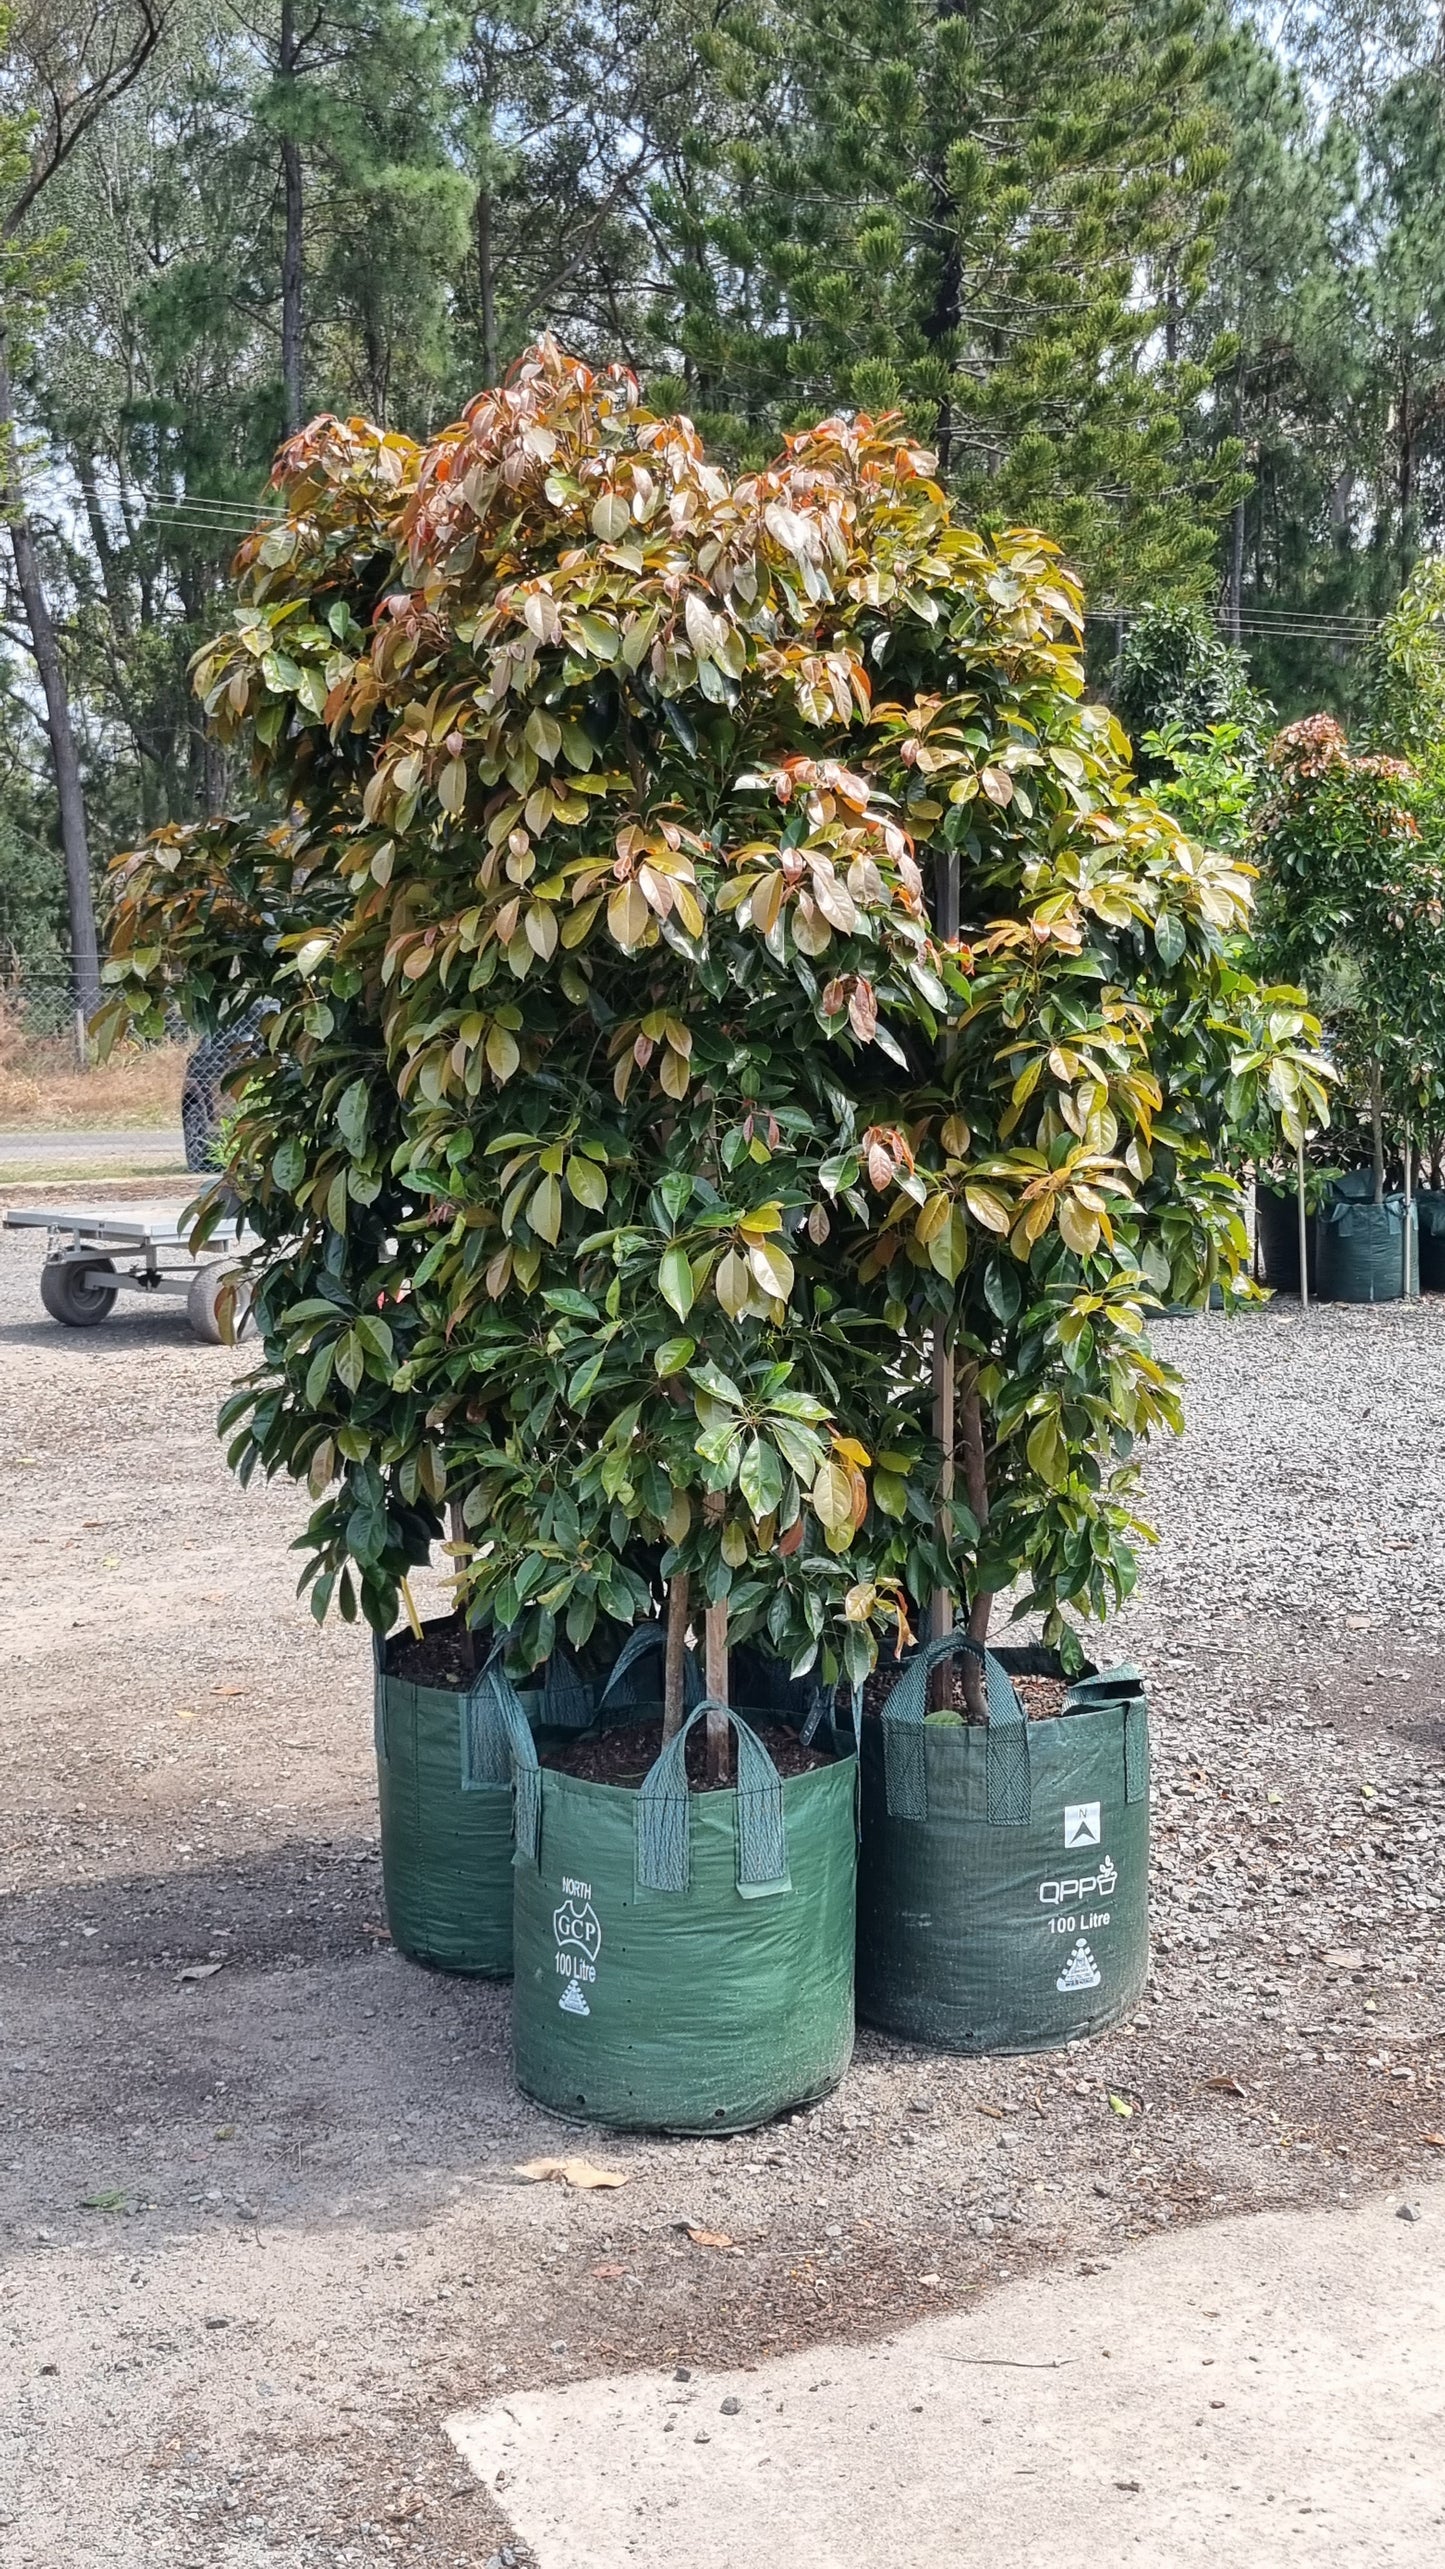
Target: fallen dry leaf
994	2112
709	2238
609	2274
374	1928
579	2172
228	1690
1225	2085
1433	2140
200	1971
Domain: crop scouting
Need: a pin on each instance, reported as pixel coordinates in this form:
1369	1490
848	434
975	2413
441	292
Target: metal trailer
90	1257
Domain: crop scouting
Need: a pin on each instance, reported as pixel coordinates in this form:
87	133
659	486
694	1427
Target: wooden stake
1304	1226
675	1655
457	1534
1405	1252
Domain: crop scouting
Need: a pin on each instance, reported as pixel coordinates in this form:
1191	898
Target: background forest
1161	280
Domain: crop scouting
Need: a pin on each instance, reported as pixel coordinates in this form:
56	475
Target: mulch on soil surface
623	1754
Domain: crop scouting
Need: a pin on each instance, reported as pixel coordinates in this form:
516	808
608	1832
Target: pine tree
997	220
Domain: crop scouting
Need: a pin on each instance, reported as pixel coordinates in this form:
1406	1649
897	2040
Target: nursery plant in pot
647	1167
1353	902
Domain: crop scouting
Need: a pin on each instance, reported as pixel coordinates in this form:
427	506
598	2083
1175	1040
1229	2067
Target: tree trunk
975	1482
715	1665
941	1605
1236	530
291	174
719	1734
74	837
106	558
675	1656
488	285
1377	1130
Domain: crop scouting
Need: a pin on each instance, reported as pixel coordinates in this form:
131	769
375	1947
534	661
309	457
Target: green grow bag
444	1779
1003	1877
1430	1243
684	1962
1362	1249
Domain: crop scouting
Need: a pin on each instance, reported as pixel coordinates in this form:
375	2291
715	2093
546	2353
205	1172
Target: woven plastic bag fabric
1276	1215
684	1961
1003	1874
1363	1248
444	1777
1430	1218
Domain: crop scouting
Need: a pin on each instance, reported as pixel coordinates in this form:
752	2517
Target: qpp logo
1081	1824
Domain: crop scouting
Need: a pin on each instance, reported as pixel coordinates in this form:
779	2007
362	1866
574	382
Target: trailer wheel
217	1325
77	1295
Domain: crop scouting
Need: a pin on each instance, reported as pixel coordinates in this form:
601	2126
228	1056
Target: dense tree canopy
1163	281
635	1125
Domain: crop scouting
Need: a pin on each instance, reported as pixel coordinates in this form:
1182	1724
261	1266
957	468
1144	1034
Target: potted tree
1353	901
652	1172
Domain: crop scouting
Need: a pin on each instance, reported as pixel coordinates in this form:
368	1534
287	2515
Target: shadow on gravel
159	1323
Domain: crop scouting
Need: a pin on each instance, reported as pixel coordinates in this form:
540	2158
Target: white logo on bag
1081	1824
577	1923
1080	1971
1061	1888
578	1931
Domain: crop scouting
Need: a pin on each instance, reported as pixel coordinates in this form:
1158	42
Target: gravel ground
261	2230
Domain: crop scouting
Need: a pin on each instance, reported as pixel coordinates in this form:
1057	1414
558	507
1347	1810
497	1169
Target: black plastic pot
1430	1214
1276	1218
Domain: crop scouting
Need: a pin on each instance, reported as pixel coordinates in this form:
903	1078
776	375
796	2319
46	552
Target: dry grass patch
43	1089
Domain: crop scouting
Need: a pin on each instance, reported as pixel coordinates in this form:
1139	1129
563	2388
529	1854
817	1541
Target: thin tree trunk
715	1668
975	1482
489	286
74	837
675	1655
719	1734
291	175
107	560
1236	570
941	1605
1377	1130
1236	531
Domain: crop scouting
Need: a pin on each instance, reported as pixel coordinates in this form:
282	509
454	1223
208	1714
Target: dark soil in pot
1042	1697
622	1755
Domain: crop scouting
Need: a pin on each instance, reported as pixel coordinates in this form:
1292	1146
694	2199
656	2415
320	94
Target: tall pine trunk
65	762
291	177
487	275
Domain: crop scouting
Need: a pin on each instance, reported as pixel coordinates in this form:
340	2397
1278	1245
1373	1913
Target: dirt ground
260	2226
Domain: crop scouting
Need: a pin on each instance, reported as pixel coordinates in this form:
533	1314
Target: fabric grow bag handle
643	1638
498	1748
1121	1686
664	1824
905	1763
